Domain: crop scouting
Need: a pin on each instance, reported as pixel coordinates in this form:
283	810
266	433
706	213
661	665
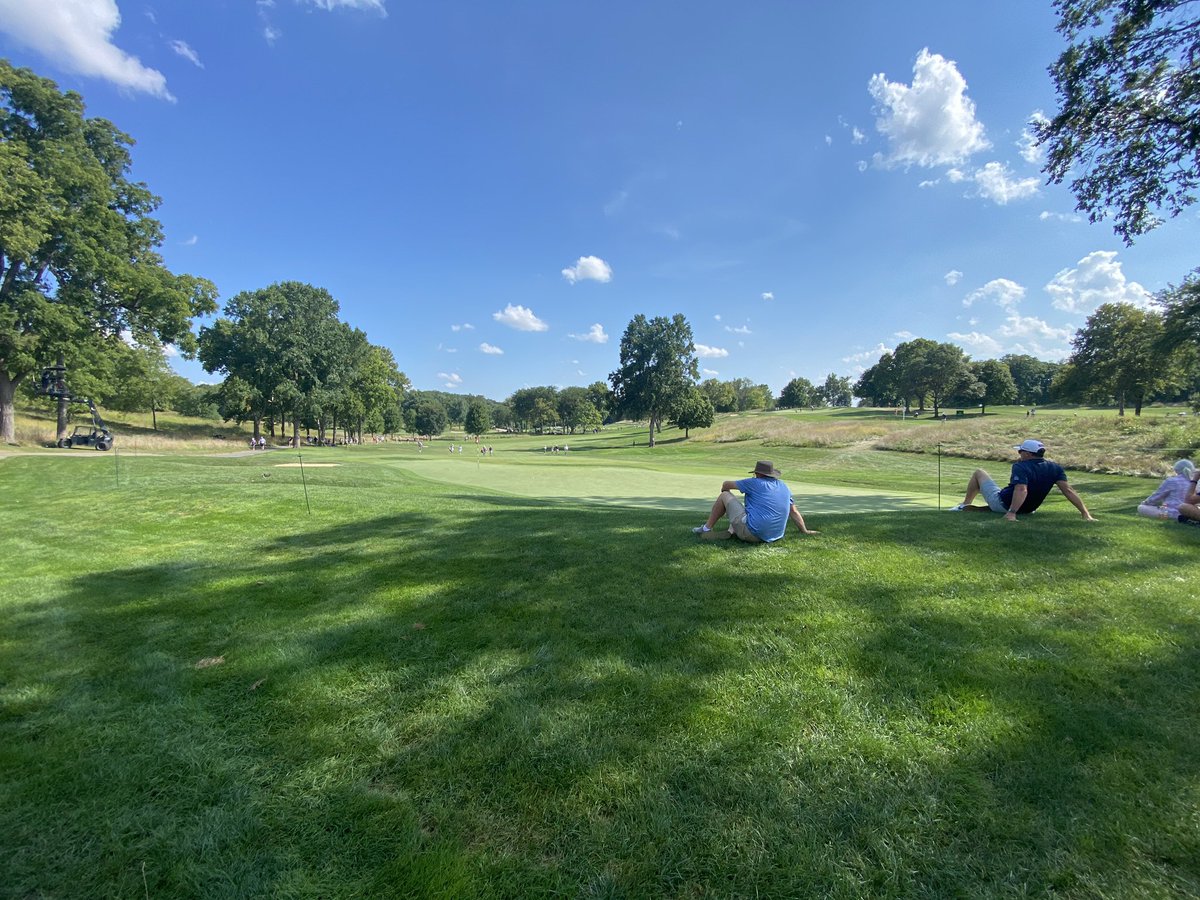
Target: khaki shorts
735	511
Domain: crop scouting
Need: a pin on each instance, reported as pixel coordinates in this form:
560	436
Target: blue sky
494	189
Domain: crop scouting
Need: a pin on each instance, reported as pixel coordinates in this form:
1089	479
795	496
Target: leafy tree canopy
77	242
1129	100
694	411
799	393
658	366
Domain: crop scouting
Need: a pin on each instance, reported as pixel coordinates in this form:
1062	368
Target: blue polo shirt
768	502
1039	476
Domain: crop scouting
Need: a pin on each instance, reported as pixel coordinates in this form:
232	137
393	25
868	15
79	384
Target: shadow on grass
517	699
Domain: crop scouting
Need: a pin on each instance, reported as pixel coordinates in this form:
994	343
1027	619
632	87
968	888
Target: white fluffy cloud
1028	145
768	295
867	356
77	35
451	380
1019	334
182	49
931	123
977	342
1004	293
595	335
485	347
1026	327
520	318
465	326
589	268
952	277
711	373
741	329
1096	279
705	352
378	6
1046	215
997	183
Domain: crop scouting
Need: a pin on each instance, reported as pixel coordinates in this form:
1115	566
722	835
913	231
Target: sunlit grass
425	688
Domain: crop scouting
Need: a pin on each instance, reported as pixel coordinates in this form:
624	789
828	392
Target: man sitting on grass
763	517
1031	480
1189	509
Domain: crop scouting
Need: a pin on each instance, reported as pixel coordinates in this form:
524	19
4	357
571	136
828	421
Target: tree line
1124	356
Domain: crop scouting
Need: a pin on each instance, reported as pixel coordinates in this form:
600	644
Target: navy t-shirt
1039	475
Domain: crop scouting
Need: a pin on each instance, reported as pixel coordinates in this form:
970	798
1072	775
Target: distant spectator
1164	503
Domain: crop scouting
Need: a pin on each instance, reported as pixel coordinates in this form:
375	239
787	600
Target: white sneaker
701	529
959	508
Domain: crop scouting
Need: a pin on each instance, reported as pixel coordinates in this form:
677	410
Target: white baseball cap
1030	446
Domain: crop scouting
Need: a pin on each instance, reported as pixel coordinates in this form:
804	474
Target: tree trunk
64	407
296	431
154	417
1121	403
8	423
653	422
63	418
257	427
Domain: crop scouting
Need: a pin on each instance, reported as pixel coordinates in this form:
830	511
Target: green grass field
522	676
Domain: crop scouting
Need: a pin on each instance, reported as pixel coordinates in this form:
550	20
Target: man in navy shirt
763	517
1032	478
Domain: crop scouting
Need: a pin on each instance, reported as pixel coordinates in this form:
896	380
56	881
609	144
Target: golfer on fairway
1030	482
764	516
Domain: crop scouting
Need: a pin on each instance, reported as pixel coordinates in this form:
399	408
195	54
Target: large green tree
478	420
1031	376
1181	313
1115	356
694	411
1129	99
529	406
576	410
995	382
284	344
835	390
880	384
144	382
799	393
658	366
946	371
721	394
429	417
78	254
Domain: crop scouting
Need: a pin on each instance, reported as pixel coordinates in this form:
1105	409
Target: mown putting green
565	477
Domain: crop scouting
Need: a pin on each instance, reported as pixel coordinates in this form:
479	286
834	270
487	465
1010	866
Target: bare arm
794	515
1193	496
728	486
1069	493
1020	492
